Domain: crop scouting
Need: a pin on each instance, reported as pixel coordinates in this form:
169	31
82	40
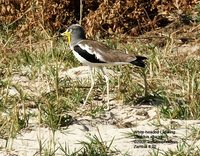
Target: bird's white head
74	33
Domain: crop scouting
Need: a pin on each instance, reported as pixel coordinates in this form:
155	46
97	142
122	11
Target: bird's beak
68	35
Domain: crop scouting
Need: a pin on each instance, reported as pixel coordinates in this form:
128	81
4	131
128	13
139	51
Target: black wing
86	55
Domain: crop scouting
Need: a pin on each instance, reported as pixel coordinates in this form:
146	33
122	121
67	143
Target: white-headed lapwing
96	54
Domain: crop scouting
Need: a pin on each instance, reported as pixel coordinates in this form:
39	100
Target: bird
95	54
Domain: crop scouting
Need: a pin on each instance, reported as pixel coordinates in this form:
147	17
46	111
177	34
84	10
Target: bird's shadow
153	100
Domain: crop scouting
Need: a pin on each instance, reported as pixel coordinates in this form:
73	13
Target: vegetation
101	18
33	59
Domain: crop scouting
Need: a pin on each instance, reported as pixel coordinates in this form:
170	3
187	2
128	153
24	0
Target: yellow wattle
68	37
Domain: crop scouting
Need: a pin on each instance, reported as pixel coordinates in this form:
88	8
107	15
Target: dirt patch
125	124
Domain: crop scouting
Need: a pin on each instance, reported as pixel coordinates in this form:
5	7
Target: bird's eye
70	30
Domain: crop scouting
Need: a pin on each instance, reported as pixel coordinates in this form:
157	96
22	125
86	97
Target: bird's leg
91	87
107	87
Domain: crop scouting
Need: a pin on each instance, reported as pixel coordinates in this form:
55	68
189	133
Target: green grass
29	79
182	149
96	147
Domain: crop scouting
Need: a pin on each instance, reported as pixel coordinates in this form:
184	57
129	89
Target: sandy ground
143	120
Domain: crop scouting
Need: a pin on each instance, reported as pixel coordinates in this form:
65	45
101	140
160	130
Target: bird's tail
139	61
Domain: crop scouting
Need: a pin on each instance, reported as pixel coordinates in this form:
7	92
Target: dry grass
30	86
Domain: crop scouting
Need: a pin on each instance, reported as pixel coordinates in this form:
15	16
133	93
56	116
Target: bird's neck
76	40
